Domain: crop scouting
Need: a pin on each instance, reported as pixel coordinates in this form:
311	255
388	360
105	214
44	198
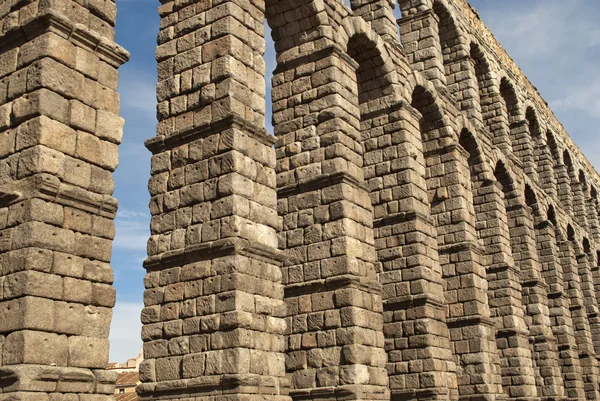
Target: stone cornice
320	182
78	34
160	144
215	249
332	284
51	189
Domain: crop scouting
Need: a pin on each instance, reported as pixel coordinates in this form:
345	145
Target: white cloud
138	90
586	99
544	29
132	230
125	331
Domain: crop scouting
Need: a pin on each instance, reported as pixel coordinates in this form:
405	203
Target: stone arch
487	91
507	117
543	160
581	207
380	14
593	209
452	44
395	173
526	132
479	168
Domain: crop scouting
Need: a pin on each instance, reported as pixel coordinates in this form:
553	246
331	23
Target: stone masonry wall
419	226
59	133
423	227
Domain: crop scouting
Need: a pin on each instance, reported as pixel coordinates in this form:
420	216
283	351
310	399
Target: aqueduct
419	226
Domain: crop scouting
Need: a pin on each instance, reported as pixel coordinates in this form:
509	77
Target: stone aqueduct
420	226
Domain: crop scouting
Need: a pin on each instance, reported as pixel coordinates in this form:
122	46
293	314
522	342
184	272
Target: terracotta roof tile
126	397
128	378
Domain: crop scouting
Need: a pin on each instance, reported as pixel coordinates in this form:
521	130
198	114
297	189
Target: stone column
522	146
335	325
579	200
535	299
419	33
59	133
417	338
472	331
214	311
592	216
563	182
587	355
588	292
504	293
560	315
545	170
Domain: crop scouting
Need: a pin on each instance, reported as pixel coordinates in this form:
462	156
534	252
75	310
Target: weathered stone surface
419	227
420	207
59	131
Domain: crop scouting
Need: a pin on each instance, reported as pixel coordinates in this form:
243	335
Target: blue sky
557	46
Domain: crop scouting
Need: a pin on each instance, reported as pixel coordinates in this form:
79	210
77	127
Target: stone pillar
579	201
214	312
419	33
417	339
587	355
504	293
560	315
522	146
59	133
472	331
465	87
592	216
545	167
588	292
380	13
563	183
335	343
535	300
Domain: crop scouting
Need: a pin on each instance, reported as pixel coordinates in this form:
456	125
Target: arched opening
582	208
593	214
485	92
450	43
566	182
570	233
551	215
529	144
507	116
586	246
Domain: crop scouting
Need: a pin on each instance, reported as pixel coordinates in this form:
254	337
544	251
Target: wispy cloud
138	90
125	329
541	29
585	98
132	230
557	45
